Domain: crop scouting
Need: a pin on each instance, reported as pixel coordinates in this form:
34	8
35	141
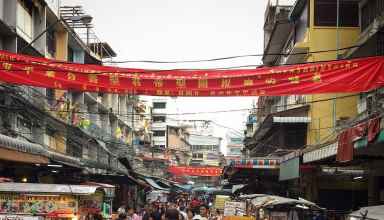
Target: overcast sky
185	30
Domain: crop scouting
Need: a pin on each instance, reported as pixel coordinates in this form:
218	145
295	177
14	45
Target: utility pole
334	113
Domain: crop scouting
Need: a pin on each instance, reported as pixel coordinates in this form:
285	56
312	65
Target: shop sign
91	204
290	169
41	204
234	208
20	217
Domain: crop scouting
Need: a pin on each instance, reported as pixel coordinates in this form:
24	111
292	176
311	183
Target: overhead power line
143	71
203	112
234	57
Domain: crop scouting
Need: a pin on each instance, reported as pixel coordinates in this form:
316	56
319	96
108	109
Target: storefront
31	201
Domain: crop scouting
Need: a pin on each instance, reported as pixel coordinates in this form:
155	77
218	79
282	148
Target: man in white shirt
203	213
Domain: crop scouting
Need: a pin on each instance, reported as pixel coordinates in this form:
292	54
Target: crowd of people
181	210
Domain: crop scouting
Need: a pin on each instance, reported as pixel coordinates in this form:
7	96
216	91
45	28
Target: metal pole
337	57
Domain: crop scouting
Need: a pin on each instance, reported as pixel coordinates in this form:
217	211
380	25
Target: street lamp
85	19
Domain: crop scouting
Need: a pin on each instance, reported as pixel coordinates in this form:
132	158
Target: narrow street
191	110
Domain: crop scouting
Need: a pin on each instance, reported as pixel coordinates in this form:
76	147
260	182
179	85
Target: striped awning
291	119
321	153
255	163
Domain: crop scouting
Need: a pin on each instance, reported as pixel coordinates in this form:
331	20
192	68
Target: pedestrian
122	216
172	214
147	212
156	213
203	213
121	209
132	215
183	214
190	214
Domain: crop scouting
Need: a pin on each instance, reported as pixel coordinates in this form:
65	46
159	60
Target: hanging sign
356	75
195	171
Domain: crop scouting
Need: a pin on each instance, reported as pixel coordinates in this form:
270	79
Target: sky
185	30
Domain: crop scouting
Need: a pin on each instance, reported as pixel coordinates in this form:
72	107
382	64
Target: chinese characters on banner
195	171
356	75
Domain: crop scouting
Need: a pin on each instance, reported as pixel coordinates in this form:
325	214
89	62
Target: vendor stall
368	213
30	201
271	207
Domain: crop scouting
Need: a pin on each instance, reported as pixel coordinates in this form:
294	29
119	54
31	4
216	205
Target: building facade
56	136
305	132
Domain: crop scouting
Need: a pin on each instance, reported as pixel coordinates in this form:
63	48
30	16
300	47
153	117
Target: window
158	133
70	55
159	146
51	40
197	156
326	13
24	127
158	118
24	19
159	105
50	93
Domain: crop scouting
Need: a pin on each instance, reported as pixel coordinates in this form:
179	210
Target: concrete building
205	150
159	123
235	145
85	135
287	125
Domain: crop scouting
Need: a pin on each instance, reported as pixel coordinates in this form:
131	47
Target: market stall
31	201
368	213
271	207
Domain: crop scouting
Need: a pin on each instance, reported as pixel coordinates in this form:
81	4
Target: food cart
368	213
31	201
271	207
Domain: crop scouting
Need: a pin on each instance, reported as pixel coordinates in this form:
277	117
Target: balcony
276	27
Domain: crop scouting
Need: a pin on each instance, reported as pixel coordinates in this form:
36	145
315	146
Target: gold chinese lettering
221	93
50	74
71	76
355	65
114	78
188	93
28	70
196	93
92	78
84	87
181	93
7	66
245	91
212	93
136	80
316	77
158	83
225	83
57	85
180	83
202	83
229	92
237	92
294	79
248	82
270	81
159	92
167	92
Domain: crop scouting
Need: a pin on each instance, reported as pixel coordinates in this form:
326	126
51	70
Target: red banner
195	171
357	75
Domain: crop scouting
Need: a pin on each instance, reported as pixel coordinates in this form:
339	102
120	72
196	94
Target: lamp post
86	19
